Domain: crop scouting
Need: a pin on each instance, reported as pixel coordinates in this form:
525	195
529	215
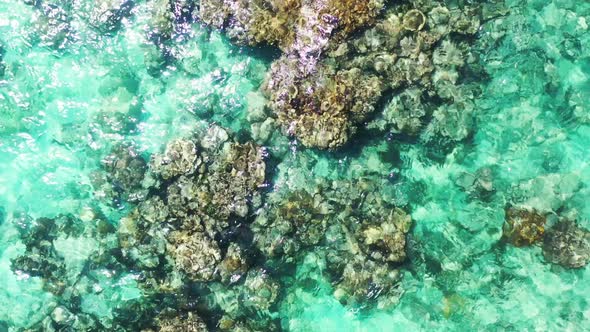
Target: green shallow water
67	100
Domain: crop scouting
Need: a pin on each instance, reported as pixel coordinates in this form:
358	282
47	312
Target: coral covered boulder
323	100
195	254
361	236
567	244
205	187
523	227
179	158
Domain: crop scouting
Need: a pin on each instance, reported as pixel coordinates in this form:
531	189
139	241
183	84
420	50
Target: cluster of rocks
208	222
50	244
40	258
187	225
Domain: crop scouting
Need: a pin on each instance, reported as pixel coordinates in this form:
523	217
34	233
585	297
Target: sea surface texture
294	165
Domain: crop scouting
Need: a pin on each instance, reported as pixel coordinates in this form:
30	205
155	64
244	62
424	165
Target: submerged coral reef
297	165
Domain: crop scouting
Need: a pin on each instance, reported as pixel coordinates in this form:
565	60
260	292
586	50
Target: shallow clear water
69	94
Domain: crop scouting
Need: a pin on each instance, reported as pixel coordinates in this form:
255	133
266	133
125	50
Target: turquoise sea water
71	93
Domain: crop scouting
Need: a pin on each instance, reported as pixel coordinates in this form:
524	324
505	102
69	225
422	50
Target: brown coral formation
362	280
258	293
189	228
284	23
292	222
195	254
322	111
386	241
226	186
313	102
327	84
44	256
523	227
179	158
107	15
360	235
206	184
323	102
169	18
